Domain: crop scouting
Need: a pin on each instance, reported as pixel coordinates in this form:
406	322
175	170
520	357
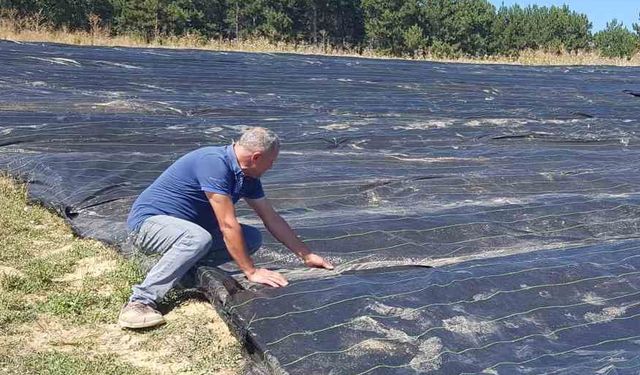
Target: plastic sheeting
481	217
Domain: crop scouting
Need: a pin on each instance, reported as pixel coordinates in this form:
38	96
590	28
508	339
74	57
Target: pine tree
616	41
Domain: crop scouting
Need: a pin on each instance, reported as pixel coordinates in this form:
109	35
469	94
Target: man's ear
255	156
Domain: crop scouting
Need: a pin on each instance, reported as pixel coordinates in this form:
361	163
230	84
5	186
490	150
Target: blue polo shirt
180	190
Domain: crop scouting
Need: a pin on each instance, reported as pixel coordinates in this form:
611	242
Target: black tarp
481	217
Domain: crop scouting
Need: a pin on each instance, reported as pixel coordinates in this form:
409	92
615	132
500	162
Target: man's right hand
265	276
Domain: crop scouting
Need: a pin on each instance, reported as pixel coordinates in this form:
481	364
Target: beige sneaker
139	315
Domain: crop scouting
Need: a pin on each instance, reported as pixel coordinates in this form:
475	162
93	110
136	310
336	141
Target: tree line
444	28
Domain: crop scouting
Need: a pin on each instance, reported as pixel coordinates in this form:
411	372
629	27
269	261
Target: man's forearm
279	228
234	240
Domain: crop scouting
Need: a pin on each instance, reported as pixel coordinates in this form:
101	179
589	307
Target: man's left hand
316	261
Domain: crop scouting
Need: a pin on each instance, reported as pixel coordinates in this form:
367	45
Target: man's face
262	162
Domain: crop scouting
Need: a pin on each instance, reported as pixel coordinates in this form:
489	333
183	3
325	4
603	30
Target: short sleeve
254	189
214	175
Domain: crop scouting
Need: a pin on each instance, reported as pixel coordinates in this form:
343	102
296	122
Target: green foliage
385	23
73	13
414	39
471	27
153	18
463	25
616	41
260	18
441	50
68	13
444	28
276	24
22	7
552	29
141	17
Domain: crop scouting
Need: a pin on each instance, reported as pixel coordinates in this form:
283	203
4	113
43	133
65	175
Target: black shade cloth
481	217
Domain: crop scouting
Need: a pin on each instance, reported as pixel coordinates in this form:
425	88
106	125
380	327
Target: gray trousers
182	245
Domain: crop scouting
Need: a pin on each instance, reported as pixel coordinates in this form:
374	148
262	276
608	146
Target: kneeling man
187	214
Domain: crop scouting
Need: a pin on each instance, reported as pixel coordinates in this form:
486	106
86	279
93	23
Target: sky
599	11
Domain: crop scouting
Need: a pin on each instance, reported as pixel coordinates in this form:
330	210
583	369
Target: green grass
81	307
60	297
39	272
14	310
58	363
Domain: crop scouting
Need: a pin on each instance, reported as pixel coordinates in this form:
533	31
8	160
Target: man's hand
264	276
316	261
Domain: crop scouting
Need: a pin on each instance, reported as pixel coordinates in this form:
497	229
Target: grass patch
82	307
96	299
126	274
40	272
14	310
60	297
27	231
58	363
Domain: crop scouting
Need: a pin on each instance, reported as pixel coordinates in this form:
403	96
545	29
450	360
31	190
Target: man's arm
281	230
234	239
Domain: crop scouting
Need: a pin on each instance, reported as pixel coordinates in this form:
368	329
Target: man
188	215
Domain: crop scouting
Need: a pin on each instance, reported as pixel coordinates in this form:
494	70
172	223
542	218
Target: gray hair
259	139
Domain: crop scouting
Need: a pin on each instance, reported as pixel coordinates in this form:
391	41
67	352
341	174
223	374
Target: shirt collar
234	161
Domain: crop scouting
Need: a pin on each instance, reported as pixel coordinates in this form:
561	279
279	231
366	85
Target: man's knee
252	237
197	240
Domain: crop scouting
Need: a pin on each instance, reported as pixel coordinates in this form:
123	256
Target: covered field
481	217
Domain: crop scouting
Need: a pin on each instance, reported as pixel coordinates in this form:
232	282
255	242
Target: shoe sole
152	323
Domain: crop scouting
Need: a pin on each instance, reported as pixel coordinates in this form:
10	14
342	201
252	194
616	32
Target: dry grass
580	58
60	296
34	29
